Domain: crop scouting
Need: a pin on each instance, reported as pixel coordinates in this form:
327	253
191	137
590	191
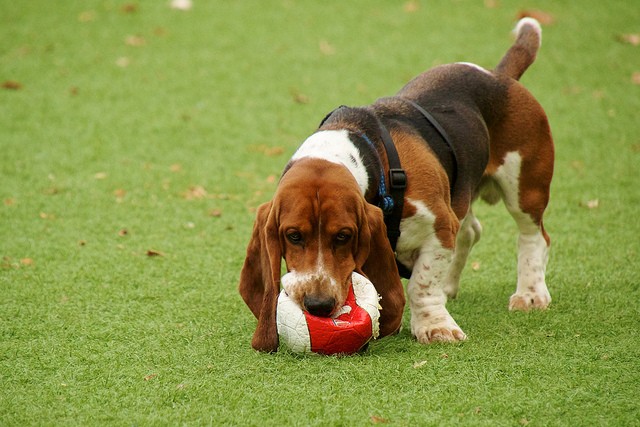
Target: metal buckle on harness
397	178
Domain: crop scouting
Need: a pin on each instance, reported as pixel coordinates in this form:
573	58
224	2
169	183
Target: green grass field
136	141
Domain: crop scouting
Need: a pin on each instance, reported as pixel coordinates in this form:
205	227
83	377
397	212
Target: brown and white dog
324	219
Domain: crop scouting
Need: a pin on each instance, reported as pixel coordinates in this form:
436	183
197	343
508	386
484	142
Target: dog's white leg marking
533	251
430	320
468	235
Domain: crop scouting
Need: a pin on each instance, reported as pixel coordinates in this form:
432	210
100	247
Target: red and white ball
345	333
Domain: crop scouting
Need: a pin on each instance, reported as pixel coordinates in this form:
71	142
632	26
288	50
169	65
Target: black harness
392	202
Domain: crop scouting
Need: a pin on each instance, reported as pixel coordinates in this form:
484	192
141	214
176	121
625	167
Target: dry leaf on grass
632	39
9	202
544	18
196	192
181	4
635	78
592	204
267	150
123	232
215	213
119	193
326	48
26	262
154	253
150	377
129	8
419	364
123	62
299	97
411	6
12	85
135	41
378	420
87	16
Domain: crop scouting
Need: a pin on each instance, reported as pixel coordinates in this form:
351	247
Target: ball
346	332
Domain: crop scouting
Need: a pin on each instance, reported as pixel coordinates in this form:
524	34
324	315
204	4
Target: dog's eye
294	237
342	238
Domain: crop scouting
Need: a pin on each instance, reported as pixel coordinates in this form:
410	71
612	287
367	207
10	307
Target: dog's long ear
260	277
378	263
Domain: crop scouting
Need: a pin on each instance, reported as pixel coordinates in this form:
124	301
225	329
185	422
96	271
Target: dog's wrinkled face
323	233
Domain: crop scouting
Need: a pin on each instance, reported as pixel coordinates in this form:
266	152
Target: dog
417	160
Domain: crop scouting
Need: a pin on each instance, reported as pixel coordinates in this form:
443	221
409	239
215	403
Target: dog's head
320	223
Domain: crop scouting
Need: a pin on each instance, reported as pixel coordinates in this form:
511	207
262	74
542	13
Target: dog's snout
319	306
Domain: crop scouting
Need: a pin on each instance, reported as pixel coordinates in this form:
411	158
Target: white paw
444	330
531	299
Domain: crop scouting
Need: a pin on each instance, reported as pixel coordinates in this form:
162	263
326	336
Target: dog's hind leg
468	235
526	202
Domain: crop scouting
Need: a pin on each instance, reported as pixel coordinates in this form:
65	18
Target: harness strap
397	185
392	203
445	137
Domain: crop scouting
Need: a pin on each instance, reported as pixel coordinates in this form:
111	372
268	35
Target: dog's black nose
319	306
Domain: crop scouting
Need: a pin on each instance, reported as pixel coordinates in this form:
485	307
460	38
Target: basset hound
461	132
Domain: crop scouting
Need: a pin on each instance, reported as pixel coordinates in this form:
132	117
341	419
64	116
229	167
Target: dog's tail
523	52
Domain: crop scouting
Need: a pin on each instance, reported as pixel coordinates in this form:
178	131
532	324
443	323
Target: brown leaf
299	97
129	8
378	420
195	192
215	213
87	16
475	265
123	62
150	377
12	85
9	202
635	78
123	232
267	150
327	48
632	39
26	262
119	193
544	18
152	253
135	41
411	6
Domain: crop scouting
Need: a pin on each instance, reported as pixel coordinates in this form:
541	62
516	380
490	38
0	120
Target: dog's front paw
538	299
444	331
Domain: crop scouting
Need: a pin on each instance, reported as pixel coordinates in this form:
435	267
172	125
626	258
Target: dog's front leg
430	320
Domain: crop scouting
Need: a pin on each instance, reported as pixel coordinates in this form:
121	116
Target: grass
137	141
